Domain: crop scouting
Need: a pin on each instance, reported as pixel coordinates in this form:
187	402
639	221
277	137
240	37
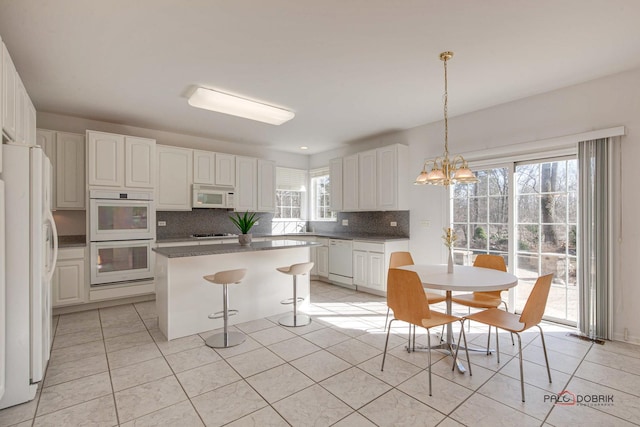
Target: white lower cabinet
371	262
322	260
69	282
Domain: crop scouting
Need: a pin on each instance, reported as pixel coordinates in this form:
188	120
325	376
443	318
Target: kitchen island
184	299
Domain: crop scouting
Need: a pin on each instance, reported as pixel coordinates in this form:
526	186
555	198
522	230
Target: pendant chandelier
443	170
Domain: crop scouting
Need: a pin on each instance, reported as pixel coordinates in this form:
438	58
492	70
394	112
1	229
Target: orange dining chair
531	316
486	299
409	302
399	259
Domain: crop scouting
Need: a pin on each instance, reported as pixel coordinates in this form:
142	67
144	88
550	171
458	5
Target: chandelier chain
446	111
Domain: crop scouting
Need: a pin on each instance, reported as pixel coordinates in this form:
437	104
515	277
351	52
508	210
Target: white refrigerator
31	244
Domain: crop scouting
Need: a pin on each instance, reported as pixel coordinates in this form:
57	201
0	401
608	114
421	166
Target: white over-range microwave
205	196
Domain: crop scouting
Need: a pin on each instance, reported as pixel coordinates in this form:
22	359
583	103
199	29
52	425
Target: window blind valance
291	179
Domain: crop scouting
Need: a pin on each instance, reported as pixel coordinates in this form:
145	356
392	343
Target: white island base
184	300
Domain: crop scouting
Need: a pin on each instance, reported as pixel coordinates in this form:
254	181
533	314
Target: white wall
79	125
604	103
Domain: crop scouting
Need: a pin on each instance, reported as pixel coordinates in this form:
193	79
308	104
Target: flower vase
450	262
244	239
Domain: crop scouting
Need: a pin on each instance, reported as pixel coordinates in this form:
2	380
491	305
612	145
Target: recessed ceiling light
304	147
220	102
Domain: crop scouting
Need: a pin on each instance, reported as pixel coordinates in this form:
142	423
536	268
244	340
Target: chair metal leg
544	347
414	338
521	369
488	341
386	343
466	348
497	344
429	349
386	319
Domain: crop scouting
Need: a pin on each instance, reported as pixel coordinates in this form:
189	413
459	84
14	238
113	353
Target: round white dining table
464	278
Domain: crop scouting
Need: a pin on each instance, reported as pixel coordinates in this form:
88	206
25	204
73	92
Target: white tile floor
113	367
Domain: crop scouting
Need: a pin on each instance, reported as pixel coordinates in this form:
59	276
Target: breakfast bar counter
184	299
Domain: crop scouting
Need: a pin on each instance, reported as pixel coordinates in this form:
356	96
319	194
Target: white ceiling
349	69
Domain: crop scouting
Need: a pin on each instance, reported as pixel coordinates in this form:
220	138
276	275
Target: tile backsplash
366	223
201	221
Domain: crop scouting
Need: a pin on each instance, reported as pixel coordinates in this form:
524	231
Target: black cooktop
202	236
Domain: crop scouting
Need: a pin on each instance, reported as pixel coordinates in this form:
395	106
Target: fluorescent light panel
220	102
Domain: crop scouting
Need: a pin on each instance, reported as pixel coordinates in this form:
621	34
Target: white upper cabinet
246	184
175	176
266	186
225	170
20	108
140	161
69	171
350	183
30	121
120	161
335	179
373	180
105	159
204	167
393	177
46	139
367	180
9	95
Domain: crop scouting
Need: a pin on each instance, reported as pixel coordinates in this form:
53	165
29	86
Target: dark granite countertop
344	236
78	241
200	250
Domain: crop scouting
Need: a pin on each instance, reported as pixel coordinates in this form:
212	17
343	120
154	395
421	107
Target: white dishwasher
340	262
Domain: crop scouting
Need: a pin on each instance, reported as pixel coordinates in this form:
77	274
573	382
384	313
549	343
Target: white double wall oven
121	231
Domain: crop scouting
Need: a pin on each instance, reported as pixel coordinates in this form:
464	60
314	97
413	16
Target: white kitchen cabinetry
335	179
373	180
266	186
350	183
105	159
322	261
20	109
174	171
393	178
69	278
204	167
225	170
120	161
9	86
140	162
46	139
371	262
246	184
359	267
69	170
367	180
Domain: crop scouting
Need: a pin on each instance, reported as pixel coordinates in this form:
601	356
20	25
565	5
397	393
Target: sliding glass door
546	233
532	225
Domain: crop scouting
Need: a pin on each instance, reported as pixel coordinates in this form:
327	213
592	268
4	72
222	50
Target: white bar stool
225	339
295	319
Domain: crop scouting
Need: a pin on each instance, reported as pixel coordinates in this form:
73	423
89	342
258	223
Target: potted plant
244	222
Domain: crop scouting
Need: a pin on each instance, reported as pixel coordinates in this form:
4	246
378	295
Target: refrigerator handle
54	231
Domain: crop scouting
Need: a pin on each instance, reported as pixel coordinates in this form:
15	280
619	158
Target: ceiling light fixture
445	171
304	147
220	102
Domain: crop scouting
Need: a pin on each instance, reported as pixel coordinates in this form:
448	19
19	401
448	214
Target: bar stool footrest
290	301
220	314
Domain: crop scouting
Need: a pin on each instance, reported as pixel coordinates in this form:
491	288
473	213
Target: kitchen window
320	192
291	194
